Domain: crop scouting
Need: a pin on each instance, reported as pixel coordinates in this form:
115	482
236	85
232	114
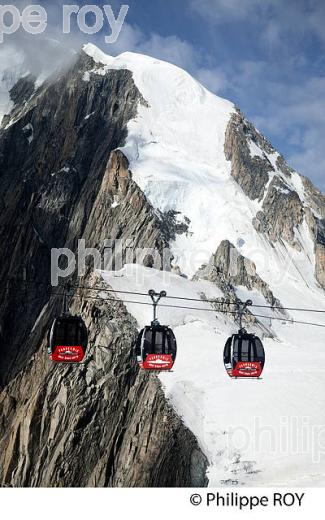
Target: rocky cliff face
228	269
101	423
251	173
65	178
282	213
315	218
286	199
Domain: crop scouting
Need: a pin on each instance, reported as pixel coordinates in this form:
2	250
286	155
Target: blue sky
267	56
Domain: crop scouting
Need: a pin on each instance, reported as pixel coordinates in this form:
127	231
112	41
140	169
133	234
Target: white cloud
172	49
310	160
316	19
131	38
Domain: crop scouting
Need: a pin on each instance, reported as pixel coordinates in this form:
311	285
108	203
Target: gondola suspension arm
156	297
65	307
241	308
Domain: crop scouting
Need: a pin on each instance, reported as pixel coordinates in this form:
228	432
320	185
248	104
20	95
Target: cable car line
213	301
155	347
287	308
193	308
289	321
167	305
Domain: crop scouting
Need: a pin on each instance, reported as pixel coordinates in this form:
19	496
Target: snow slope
267	432
175	149
260	433
175	146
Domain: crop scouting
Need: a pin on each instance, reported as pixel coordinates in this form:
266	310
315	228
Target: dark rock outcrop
229	269
49	185
315	218
282	213
251	173
283	210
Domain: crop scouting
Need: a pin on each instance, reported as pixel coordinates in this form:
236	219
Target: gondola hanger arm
156	297
241	307
68	288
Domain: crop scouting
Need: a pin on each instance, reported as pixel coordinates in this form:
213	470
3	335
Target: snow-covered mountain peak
175	144
162	84
194	155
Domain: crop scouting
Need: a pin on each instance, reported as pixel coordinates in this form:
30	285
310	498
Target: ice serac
63	179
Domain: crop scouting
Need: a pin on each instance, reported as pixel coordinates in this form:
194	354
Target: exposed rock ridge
286	199
229	269
251	173
315	218
281	215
